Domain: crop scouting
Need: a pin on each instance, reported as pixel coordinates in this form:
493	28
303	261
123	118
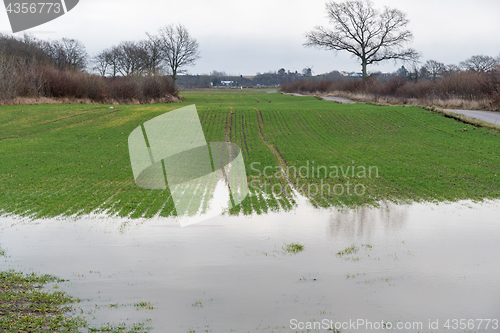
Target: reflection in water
170	151
363	222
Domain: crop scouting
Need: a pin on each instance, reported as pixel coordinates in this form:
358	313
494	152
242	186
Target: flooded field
418	266
274	263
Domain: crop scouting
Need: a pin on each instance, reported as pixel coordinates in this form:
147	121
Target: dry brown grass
461	90
67	100
451	103
24	82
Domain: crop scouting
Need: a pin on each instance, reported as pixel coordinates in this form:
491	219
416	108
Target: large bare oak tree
178	48
368	34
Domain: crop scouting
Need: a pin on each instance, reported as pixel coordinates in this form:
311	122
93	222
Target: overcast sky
245	37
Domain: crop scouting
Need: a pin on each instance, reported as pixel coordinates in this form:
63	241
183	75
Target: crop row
73	159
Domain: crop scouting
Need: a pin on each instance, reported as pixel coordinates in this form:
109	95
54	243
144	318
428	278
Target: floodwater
419	264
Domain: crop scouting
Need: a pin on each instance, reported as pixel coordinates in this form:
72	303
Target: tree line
168	51
142	71
65	54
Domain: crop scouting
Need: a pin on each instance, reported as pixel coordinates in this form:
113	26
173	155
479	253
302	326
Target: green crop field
73	159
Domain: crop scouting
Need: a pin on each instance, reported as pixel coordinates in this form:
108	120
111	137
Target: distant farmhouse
351	74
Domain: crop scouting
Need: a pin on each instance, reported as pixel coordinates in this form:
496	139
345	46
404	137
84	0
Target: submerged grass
26	308
73	159
293	248
348	250
144	305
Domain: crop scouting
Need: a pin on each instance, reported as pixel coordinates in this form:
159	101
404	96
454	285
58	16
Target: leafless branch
364	32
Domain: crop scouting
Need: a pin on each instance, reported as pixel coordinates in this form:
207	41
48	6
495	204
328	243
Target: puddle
408	264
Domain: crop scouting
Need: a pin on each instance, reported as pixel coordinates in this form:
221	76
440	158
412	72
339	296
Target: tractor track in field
55	128
279	158
281	161
229	125
227	138
243	131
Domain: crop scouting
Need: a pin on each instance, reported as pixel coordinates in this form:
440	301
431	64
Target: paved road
295	94
342	100
488	116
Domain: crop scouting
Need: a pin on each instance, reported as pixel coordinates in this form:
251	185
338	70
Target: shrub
466	85
34	80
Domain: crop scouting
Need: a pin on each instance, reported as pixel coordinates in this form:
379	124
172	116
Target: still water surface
416	263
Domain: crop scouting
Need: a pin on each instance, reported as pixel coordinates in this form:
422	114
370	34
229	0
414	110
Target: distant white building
227	83
351	74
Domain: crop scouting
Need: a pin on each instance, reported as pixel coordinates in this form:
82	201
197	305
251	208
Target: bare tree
423	72
479	63
435	67
113	55
54	50
364	32
452	68
101	62
413	73
178	47
130	58
67	53
26	49
76	55
153	63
